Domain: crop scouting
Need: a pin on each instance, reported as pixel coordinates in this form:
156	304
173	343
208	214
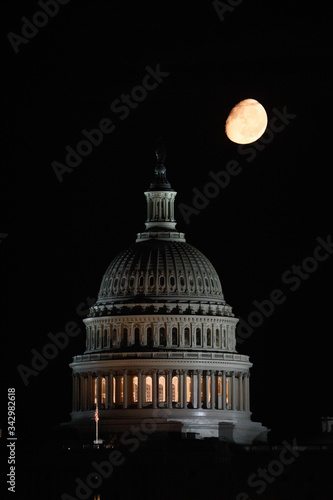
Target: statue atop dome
160	182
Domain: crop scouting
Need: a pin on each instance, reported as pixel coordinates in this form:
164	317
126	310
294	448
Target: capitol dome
161	340
156	270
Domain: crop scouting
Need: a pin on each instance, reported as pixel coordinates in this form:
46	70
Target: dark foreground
171	467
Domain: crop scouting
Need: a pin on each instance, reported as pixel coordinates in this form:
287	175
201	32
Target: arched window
188	388
98	339
227	390
162	336
161	389
114	389
198	336
95	390
209	337
187	336
151	281
135	389
172	281
162	281
103	393
174	334
149	389
141	281
175	389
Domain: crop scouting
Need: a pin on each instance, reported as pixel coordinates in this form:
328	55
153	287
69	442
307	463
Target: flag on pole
96	414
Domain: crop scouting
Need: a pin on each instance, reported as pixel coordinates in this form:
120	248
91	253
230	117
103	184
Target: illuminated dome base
206	393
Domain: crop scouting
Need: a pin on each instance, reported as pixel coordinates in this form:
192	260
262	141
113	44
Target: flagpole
96	420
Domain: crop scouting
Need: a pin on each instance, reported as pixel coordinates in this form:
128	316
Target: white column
155	388
184	399
111	403
219	397
213	389
140	389
88	404
233	395
107	391
194	380
247	392
199	389
208	404
169	386
240	388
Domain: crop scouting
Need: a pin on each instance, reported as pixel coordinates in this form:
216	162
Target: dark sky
61	236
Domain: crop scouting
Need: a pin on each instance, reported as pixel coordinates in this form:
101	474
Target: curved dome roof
158	271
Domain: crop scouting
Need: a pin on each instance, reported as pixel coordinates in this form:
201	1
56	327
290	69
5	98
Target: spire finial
160	151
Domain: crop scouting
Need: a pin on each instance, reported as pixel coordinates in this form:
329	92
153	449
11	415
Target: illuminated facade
160	340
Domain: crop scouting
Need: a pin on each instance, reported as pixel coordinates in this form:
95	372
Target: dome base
229	426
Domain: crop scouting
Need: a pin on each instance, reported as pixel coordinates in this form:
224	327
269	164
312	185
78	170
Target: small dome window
162	281
151	281
141	281
172	281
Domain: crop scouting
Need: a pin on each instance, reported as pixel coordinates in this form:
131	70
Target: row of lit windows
100	340
133	388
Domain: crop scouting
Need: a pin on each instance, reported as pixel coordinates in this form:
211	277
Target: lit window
114	390
149	389
161	389
219	387
121	389
95	390
175	389
103	395
135	389
188	390
227	390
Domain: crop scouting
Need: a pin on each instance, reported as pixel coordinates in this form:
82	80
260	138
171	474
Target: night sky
58	238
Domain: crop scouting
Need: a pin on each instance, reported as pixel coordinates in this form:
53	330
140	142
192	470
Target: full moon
247	121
